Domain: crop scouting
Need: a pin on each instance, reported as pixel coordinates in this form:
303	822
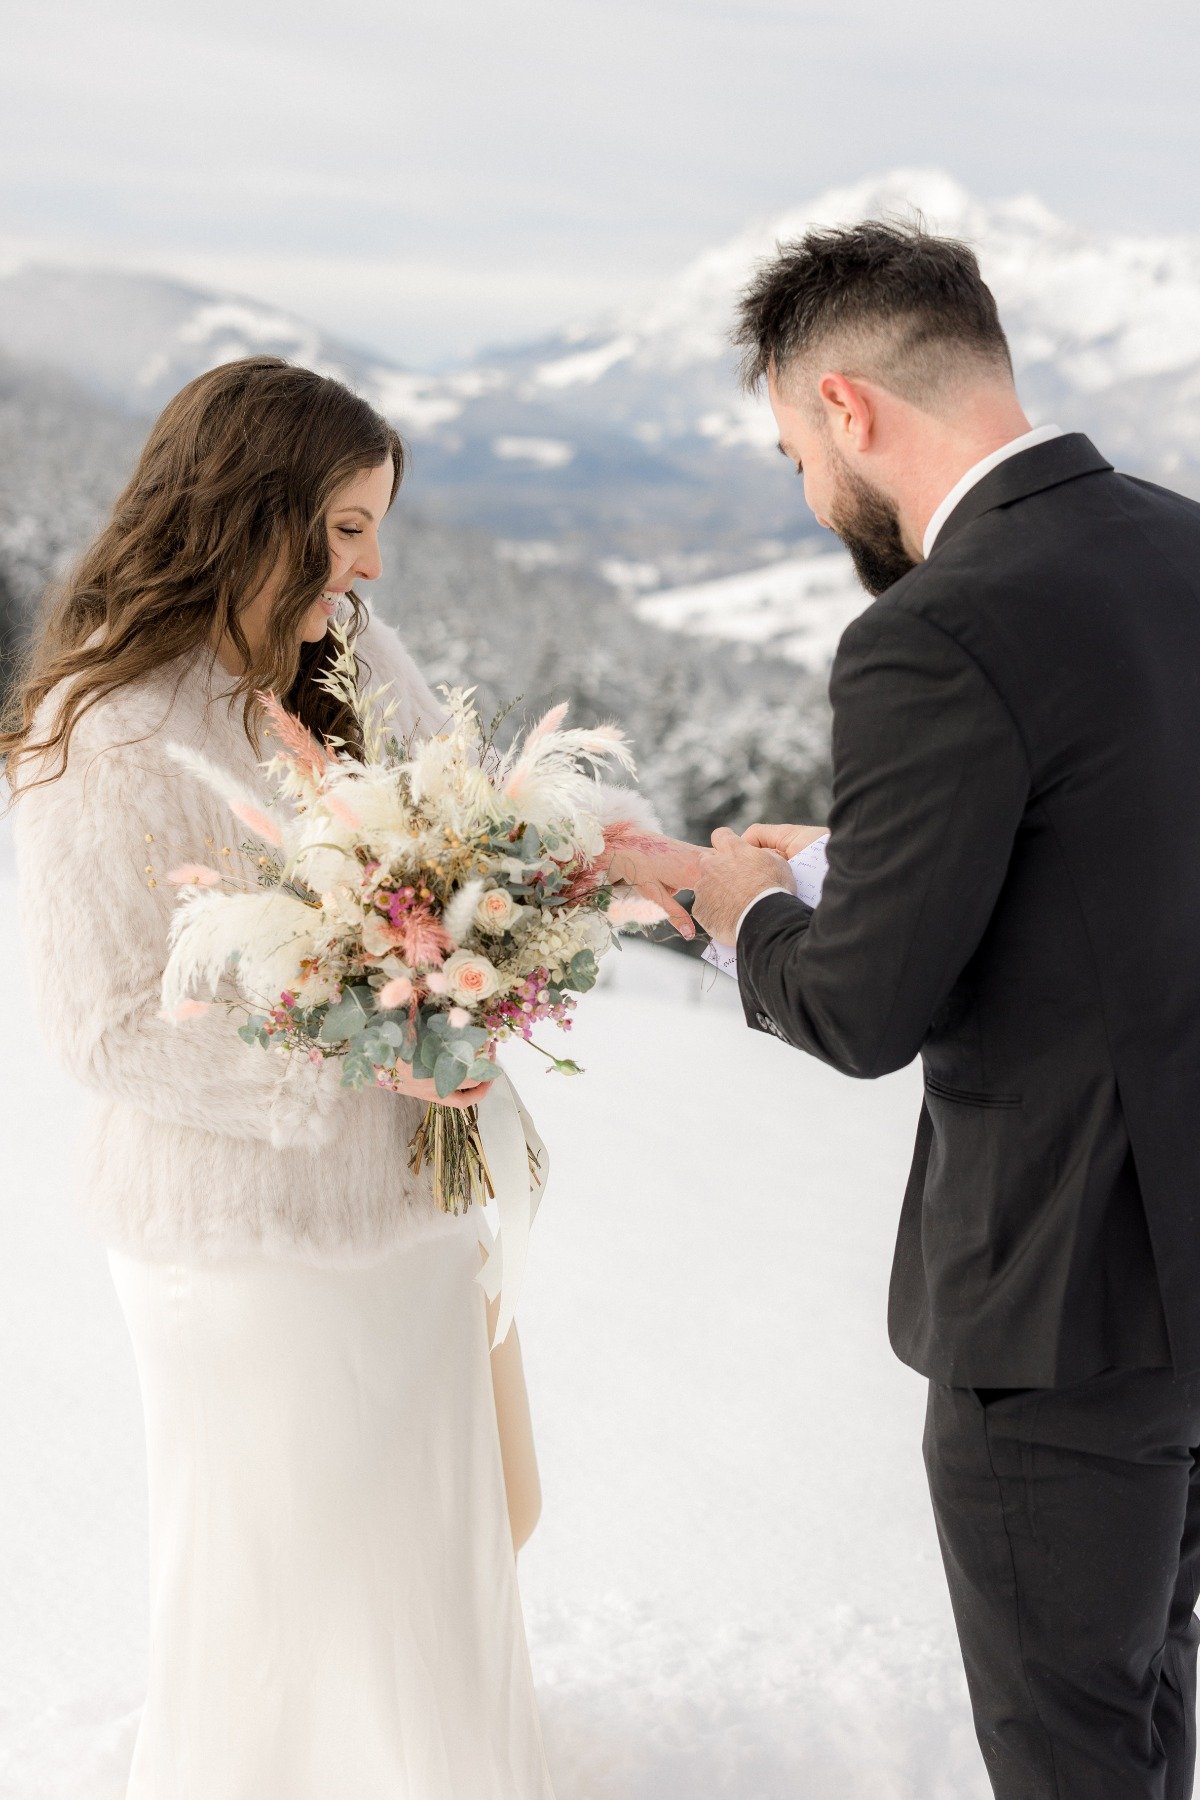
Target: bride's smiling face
352	521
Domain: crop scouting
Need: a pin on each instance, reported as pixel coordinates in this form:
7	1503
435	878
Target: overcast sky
431	177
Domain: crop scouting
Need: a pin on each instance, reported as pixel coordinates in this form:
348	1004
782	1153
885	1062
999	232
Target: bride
339	1473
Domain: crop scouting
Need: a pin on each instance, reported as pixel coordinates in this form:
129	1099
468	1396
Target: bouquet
418	904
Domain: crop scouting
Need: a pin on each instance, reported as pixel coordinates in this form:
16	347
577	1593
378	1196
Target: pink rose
470	978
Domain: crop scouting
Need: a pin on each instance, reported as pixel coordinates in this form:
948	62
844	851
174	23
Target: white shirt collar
1041	434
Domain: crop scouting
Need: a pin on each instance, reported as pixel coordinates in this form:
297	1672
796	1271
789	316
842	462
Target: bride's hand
406	1083
786	840
658	869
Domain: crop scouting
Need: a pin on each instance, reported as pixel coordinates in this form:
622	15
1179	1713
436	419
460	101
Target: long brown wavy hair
233	485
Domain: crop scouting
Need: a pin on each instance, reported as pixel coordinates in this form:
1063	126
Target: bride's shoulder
128	725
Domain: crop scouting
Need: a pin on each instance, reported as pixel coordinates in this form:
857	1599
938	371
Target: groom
1014	894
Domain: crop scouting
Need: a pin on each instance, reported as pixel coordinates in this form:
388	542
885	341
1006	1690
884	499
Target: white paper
808	870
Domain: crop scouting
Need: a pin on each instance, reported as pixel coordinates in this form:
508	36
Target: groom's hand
731	874
786	840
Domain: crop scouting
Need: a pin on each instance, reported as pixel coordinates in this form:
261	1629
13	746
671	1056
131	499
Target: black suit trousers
1069	1521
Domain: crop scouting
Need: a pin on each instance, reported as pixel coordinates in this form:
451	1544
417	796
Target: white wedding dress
334	1601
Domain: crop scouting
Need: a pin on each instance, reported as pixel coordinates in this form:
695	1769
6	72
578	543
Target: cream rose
496	910
470	978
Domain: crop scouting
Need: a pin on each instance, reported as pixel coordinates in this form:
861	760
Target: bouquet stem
448	1136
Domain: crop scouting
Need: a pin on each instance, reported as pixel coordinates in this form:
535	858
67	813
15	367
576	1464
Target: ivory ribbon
509	1136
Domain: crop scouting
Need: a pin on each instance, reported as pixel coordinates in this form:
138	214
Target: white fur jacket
199	1144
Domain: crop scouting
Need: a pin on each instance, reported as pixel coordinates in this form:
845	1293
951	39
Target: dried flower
194	875
397	992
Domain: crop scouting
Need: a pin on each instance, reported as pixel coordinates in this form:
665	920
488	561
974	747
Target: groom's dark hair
907	309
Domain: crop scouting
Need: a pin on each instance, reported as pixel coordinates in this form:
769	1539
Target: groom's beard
869	526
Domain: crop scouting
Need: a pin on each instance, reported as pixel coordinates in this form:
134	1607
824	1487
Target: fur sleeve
625	806
95	931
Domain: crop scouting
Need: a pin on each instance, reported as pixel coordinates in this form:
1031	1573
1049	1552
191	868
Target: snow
542	453
416	403
255	324
735	1591
798	607
585	365
629	577
747	420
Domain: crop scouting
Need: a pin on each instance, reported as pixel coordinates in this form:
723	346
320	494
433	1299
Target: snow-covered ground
798	608
735	1592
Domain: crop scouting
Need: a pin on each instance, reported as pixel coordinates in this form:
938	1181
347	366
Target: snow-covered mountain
135	339
624	442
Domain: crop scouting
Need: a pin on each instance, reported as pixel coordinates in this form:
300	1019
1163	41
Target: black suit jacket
1014	892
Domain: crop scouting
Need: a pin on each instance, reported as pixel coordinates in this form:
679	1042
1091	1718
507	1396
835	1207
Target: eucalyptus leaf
447	1074
584	971
528	847
373	1045
357	1071
348	1016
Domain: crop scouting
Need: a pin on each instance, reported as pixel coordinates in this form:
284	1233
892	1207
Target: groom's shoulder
1180	507
943	610
922	597
1018	561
